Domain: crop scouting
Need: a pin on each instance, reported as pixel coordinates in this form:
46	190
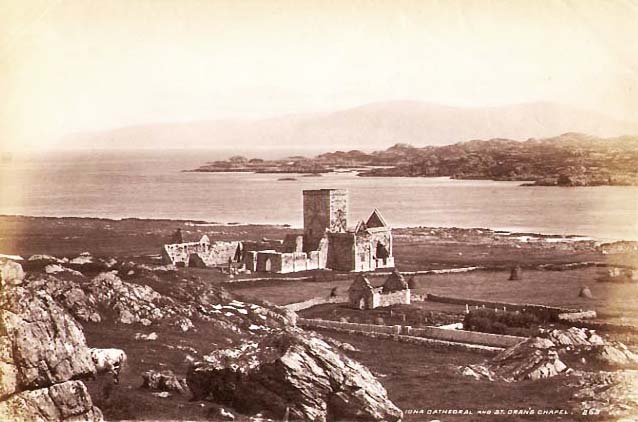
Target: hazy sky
72	65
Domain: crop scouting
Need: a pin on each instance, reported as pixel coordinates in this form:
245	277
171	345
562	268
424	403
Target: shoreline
525	235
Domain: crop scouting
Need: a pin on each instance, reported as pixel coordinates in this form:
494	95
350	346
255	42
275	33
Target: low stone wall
429	335
577	316
401	297
552	310
462	336
299	306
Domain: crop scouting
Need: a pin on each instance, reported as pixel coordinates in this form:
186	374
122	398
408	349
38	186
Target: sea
153	184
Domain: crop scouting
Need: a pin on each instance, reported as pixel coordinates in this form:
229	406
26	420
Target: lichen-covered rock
11	273
66	401
164	380
68	294
295	371
613	394
41	344
42	354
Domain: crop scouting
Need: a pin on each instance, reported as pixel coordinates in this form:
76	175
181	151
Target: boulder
42	344
292	370
611	393
43	353
585	292
83	259
11	273
163	381
45	258
68	294
67	401
533	359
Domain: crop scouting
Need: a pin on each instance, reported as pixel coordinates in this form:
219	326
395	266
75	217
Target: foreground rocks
611	393
42	354
545	357
292	372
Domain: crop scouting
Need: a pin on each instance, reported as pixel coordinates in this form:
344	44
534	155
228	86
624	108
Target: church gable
376	220
394	282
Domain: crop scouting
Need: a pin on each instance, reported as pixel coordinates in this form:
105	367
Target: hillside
368	127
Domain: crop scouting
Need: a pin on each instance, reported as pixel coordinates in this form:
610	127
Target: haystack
517	273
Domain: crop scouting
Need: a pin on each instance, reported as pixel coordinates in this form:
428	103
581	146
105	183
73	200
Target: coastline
511	232
417	247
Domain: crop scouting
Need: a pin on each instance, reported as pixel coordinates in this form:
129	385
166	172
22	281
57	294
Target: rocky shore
571	159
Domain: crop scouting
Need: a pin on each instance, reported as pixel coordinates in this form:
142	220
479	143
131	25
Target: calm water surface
152	185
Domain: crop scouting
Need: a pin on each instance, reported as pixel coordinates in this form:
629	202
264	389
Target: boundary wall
428	335
553	310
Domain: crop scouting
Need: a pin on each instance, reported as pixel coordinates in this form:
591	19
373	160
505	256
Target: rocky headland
571	159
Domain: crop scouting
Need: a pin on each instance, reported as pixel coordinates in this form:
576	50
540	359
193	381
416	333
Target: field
421	378
614	302
416	377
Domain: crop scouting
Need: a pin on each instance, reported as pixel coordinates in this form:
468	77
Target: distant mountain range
368	127
571	159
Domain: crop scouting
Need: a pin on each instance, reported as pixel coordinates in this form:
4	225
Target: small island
571	159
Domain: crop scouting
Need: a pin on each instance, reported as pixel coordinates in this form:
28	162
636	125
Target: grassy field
420	378
615	302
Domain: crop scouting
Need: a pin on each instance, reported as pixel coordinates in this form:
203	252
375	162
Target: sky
71	66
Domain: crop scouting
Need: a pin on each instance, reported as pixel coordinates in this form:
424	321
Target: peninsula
571	159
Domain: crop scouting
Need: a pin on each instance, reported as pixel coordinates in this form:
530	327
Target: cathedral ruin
326	243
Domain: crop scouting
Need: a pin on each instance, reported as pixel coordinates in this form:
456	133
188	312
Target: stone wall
268	261
440	338
299	306
394	298
552	310
220	253
341	252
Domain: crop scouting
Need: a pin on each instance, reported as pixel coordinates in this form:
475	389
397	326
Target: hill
367	127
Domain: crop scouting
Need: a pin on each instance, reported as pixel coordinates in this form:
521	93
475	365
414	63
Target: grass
420	378
615	302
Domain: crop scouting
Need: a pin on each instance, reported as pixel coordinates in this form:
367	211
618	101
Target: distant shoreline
521	235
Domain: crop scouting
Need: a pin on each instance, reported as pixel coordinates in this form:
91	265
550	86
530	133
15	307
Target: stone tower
323	210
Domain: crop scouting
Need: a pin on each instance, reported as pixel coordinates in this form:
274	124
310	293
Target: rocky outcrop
164	380
67	401
545	357
533	359
42	355
610	393
11	273
295	371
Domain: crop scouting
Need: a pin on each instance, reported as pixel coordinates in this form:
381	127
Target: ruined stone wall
363	253
293	243
300	261
341	251
250	260
322	253
268	261
395	298
338	211
220	253
179	253
287	263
